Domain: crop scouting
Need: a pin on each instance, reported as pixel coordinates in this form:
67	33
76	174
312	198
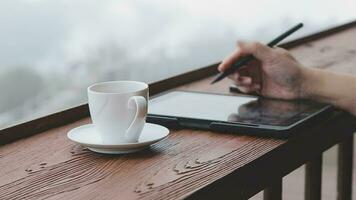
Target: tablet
232	113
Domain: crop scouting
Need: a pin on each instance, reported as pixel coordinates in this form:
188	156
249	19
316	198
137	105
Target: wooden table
37	161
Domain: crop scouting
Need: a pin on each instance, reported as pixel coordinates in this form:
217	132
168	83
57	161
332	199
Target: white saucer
88	136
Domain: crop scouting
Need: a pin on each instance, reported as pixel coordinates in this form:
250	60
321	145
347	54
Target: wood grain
188	164
78	169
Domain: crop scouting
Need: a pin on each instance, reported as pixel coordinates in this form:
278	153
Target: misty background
51	51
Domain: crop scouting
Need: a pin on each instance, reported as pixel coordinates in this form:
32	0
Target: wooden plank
344	175
30	128
313	179
318	35
273	192
52	166
33	127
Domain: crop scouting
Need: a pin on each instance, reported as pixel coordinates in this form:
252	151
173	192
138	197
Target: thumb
258	50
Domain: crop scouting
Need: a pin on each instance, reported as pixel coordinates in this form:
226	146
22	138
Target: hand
275	73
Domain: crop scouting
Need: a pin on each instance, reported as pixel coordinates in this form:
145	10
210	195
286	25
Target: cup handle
140	104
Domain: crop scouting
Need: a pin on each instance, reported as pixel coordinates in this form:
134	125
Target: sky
40	31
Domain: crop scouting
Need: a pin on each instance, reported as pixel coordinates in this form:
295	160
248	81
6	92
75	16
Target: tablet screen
228	108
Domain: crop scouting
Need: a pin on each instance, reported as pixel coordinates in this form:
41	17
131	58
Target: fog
52	50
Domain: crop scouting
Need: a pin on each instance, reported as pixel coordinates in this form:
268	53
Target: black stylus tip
214	81
218	78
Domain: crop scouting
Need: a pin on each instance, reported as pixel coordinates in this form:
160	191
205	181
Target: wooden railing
313	178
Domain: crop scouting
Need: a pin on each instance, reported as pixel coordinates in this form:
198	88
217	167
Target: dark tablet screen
231	108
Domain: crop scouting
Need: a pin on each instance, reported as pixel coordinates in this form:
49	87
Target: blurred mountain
19	84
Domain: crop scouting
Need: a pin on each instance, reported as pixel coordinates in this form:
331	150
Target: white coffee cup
118	110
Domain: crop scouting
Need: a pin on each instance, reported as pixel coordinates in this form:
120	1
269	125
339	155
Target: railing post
273	192
344	173
313	180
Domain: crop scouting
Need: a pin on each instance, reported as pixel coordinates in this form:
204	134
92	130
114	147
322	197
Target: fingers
242	75
245	83
235	76
249	89
230	60
258	50
245	80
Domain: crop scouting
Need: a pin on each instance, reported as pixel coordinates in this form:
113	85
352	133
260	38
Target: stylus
244	60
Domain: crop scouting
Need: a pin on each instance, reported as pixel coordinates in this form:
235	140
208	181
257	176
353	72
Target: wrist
309	82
